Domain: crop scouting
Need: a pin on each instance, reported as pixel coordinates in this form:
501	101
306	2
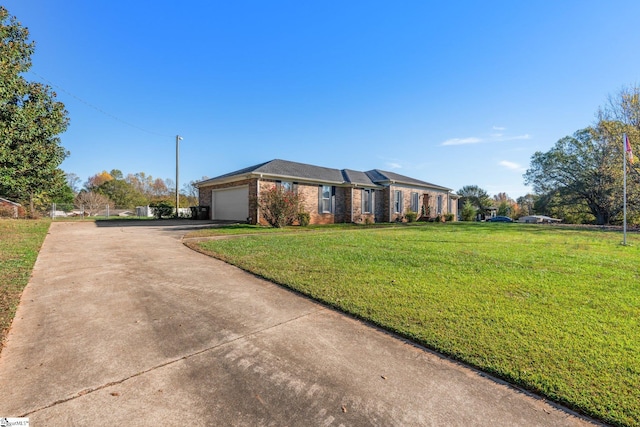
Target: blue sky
453	93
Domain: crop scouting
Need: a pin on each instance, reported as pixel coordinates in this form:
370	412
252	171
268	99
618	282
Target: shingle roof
302	171
379	176
357	177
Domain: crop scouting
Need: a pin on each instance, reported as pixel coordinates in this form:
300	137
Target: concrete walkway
124	325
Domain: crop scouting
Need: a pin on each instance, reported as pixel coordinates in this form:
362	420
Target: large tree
582	171
477	196
30	121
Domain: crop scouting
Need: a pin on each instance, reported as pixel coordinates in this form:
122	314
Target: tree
477	196
526	203
505	204
73	181
191	191
30	121
91	202
624	108
583	171
468	212
123	194
97	180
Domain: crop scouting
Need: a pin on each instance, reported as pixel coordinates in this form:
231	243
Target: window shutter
320	199
372	208
333	199
363	193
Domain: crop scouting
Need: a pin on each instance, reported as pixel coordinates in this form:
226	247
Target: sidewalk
127	326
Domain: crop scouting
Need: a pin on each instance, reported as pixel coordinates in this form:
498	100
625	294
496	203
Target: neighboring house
329	195
10	209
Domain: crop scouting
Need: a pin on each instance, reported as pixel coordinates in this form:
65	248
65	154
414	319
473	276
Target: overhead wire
98	109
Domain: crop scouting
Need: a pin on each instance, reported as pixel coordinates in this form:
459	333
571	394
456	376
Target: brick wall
204	195
390	215
347	202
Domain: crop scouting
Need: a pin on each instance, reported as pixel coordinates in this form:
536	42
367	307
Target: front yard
554	310
20	242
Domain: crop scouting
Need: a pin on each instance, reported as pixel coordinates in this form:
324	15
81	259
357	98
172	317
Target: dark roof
302	171
285	168
357	177
380	177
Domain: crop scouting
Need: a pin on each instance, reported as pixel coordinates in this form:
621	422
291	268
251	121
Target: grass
20	241
554	310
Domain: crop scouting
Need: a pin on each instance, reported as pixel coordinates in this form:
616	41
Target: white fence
64	211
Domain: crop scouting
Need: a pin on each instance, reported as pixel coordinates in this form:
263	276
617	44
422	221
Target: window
415	201
397	201
286	186
367	201
439	204
326	193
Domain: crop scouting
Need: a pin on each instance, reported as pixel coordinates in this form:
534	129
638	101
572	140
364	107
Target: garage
230	203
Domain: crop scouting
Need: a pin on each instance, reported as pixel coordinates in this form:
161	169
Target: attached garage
230	204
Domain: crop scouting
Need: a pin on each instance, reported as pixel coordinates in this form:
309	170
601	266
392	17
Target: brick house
329	195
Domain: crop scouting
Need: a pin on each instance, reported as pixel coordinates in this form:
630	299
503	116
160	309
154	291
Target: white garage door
230	203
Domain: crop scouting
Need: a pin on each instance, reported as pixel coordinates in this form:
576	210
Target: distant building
538	219
9	209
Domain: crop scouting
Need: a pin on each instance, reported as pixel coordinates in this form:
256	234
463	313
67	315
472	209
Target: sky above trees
454	93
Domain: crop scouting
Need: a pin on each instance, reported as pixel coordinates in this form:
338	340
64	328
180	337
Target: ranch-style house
328	195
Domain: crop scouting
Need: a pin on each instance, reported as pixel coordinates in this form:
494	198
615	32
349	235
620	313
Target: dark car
500	219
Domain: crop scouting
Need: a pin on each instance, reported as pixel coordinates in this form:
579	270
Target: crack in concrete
86	391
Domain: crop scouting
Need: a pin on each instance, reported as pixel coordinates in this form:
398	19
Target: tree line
580	179
126	192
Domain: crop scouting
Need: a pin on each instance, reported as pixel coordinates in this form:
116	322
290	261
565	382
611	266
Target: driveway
124	325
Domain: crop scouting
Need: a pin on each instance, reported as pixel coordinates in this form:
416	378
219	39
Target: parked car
500	219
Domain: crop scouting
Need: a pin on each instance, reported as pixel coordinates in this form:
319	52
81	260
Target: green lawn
555	310
20	241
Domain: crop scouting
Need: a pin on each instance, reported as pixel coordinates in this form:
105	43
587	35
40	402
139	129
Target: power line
98	109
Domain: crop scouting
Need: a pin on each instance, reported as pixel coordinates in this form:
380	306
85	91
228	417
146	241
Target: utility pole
178	139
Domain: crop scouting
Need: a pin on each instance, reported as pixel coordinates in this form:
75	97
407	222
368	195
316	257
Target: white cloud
394	165
462	141
511	165
493	137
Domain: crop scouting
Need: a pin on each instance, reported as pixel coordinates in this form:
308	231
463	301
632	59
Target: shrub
449	217
411	216
162	209
468	211
279	207
304	218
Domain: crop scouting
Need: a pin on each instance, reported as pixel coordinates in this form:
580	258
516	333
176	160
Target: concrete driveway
124	325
